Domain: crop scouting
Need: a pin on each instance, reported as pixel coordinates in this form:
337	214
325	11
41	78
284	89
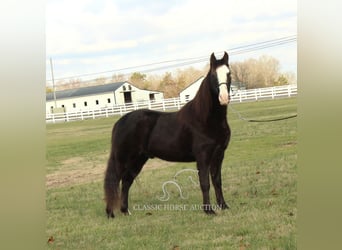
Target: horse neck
205	105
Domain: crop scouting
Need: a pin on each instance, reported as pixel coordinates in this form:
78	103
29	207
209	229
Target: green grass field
259	176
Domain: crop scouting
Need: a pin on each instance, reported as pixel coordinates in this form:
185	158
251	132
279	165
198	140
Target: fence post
67	116
289	90
256	94
272	92
53	118
163	102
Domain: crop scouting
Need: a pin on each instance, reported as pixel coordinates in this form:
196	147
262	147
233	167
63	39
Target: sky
87	37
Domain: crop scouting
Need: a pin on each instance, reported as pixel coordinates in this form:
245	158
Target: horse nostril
223	99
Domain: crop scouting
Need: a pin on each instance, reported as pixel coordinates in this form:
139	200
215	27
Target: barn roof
92	90
198	80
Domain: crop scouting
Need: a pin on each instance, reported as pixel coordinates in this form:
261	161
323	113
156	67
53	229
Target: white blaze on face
222	72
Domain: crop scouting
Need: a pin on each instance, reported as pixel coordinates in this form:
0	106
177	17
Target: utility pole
53	84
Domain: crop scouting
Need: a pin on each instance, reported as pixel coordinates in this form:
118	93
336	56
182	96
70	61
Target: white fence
170	104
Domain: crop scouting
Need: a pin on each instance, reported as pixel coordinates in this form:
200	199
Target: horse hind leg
111	185
133	168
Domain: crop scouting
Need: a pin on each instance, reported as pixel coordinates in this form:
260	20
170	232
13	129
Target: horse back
153	134
131	133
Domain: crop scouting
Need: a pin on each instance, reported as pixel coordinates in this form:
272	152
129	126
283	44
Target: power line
205	58
193	60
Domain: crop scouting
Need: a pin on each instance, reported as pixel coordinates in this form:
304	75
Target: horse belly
171	154
171	143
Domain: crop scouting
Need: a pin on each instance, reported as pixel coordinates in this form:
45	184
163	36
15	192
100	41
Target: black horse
197	132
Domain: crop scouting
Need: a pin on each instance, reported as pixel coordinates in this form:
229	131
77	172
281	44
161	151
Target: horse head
220	78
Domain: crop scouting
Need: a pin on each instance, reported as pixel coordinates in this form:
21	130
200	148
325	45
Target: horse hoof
110	213
224	206
125	211
210	212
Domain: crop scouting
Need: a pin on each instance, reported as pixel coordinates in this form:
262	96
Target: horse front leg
215	172
203	174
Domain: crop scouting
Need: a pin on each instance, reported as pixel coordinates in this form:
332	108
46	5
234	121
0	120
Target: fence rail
170	104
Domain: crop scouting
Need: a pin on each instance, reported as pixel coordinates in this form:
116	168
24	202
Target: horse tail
111	184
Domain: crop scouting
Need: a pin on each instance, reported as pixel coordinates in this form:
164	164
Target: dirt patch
72	161
72	177
80	170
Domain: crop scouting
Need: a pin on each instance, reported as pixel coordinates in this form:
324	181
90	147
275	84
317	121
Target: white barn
97	97
189	92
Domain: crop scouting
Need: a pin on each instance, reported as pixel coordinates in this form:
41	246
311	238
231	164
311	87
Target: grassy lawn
259	182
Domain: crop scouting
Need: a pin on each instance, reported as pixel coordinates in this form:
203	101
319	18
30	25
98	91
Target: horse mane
201	105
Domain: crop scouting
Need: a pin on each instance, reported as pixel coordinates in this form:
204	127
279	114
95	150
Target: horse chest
218	132
213	138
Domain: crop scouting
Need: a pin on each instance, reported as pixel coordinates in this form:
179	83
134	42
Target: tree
282	80
73	83
154	82
239	72
100	80
269	68
118	78
48	90
168	86
256	73
291	77
187	76
137	78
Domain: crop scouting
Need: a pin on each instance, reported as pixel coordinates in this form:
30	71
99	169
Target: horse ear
212	60
226	58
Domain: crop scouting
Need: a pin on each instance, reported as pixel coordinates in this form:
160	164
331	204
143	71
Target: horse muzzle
224	101
224	97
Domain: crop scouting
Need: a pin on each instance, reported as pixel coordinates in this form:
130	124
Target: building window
129	87
128	97
74	105
124	88
85	104
62	105
108	100
152	97
97	102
